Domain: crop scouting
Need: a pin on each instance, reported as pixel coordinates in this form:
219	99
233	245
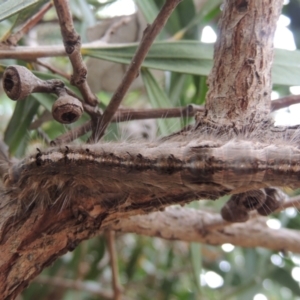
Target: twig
46	116
130	115
110	238
29	53
291	202
44	136
284	102
75	285
133	70
72	45
53	69
113	27
14	38
72	134
156	113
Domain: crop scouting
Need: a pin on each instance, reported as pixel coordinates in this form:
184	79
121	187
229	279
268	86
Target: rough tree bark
240	82
239	97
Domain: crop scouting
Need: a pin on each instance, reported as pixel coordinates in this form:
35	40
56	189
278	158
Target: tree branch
72	45
240	82
14	38
132	72
285	102
110	238
56	198
123	115
191	225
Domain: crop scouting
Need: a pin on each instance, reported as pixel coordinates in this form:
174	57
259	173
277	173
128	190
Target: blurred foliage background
174	74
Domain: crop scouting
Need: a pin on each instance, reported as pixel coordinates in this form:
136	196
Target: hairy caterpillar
169	171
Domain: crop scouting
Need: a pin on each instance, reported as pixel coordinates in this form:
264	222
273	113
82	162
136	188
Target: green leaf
150	11
283	277
176	87
83	11
201	89
148	8
181	17
196	260
207	11
286	67
11	7
45	100
158	99
16	134
132	264
192	57
17	19
188	57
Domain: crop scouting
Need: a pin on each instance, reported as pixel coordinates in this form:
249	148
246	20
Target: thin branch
53	69
73	134
113	28
110	238
46	116
132	72
198	226
14	38
43	136
156	113
284	102
72	45
30	53
123	115
291	202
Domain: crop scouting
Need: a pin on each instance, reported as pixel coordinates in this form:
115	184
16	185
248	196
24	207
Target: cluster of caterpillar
190	165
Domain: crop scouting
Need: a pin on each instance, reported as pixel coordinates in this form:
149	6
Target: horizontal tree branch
123	115
56	198
190	225
285	102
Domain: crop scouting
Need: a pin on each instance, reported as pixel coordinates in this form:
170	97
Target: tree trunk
240	82
57	198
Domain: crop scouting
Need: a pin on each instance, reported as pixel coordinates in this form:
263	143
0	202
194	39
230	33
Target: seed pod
67	109
19	82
